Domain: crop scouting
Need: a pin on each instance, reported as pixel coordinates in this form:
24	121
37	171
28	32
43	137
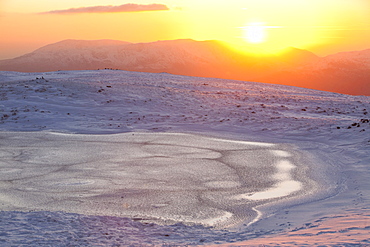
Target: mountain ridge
345	72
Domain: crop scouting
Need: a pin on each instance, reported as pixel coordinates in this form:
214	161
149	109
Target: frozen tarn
158	177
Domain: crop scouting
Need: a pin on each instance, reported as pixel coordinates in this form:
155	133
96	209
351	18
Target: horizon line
181	39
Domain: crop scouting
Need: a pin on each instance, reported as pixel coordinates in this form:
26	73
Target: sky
321	26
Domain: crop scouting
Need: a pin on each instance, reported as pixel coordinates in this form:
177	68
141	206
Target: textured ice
154	176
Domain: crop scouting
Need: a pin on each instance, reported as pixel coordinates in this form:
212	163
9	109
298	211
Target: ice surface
284	187
154	176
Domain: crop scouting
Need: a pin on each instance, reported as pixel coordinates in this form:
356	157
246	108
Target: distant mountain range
347	72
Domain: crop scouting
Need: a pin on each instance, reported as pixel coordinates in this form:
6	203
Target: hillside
343	72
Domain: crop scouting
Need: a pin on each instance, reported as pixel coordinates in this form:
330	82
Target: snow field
322	143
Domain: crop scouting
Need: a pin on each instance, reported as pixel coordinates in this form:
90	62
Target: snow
220	161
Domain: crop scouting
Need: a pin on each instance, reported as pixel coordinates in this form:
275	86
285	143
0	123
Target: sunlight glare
255	33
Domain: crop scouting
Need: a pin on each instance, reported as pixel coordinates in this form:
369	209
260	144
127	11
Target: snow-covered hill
344	72
178	56
325	134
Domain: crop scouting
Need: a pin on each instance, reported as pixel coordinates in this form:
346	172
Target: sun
255	33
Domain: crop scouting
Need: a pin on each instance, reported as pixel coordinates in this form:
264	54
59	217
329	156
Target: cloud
130	7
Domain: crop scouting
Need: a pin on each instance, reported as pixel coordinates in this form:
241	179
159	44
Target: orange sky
322	26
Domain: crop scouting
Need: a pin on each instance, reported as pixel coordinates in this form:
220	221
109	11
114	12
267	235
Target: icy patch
281	189
281	153
156	177
223	184
285	186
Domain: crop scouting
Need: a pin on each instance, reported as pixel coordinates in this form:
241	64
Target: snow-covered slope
332	130
120	93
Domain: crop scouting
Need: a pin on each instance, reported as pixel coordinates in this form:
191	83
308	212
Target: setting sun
321	26
255	33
